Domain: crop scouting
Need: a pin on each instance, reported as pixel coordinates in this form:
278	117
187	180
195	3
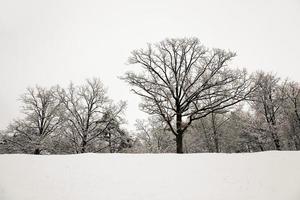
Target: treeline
196	103
78	119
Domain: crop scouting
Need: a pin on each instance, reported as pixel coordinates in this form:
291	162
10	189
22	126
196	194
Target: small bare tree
178	76
42	118
154	136
89	113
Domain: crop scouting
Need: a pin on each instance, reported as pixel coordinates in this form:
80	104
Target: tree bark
109	143
261	147
297	143
83	145
37	151
179	136
277	144
179	143
275	137
215	133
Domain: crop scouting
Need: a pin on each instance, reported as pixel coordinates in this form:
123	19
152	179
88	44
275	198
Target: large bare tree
179	76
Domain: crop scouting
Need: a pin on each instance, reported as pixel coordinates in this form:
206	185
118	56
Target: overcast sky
55	42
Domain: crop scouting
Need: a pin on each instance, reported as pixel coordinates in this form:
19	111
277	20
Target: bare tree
154	136
178	76
89	113
252	132
214	123
116	137
41	110
214	128
268	101
293	94
292	112
217	132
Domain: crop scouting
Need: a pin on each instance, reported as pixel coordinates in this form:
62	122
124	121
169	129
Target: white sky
56	41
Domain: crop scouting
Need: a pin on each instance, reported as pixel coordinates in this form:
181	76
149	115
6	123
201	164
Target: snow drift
257	176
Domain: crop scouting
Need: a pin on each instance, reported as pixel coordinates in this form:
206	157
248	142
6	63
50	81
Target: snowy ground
257	176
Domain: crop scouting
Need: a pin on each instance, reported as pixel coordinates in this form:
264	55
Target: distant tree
90	115
293	96
42	119
250	134
212	128
117	139
178	76
154	136
136	147
218	132
292	113
267	103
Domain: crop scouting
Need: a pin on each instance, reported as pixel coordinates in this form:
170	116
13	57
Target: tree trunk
179	136
215	133
216	141
83	145
297	145
276	140
261	147
179	143
274	134
295	137
277	144
37	151
109	143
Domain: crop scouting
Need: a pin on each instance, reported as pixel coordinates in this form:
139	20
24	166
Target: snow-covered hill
257	176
